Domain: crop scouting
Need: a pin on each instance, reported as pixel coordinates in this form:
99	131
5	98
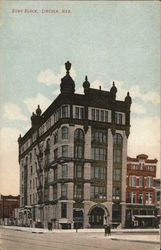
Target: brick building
73	159
140	192
8	203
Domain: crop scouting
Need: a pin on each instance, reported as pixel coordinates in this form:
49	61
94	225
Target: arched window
64	132
117	139
79	143
79	135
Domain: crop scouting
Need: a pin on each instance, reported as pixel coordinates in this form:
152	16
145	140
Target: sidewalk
132	235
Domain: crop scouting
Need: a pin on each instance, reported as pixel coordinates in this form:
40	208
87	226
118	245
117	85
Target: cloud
9	167
137	109
96	84
12	111
145	137
149	96
48	77
33	102
136	92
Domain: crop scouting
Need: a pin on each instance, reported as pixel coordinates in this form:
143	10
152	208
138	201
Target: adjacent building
8	203
157	195
140	192
73	159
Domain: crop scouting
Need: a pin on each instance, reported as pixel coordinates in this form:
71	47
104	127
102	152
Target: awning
144	216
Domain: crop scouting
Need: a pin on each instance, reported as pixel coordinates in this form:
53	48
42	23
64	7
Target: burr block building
141	173
73	160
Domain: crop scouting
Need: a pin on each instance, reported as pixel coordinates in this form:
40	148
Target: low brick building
140	191
8	203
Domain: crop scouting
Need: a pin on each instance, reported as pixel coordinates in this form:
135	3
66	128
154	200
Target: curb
137	241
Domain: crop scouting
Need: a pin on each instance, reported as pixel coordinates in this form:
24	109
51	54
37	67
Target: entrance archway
98	216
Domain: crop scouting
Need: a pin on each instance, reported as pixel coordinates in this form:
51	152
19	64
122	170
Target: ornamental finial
68	66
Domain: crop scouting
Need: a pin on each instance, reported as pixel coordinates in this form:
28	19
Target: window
102	116
98	172
78	151
79	135
55	154
141	166
64	170
133	197
31	170
93	114
55	192
30	199
79	113
65	151
98	192
48	144
99	137
129	197
64	132
76	112
118	118
117	139
140	198
98	154
30	157
97	115
78	191
132	181
149	181
117	155
148	198
55	173
64	191
78	171
56	138
116	193
64	111
141	179
116	174
30	184
106	116
63	210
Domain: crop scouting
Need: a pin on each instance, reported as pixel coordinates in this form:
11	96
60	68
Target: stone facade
73	159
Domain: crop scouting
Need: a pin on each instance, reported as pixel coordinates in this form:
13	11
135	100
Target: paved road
16	240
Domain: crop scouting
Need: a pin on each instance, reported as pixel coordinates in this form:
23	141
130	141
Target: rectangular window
55	192
64	111
141	179
93	114
149	182
118	118
106	116
116	174
64	191
92	172
116	193
133	198
148	199
132	181
81	113
97	115
55	154
98	154
102	116
76	112
64	171
92	191
78	191
140	198
117	155
78	151
78	171
65	151
63	210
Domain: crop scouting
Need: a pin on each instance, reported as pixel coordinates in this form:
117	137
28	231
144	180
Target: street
19	240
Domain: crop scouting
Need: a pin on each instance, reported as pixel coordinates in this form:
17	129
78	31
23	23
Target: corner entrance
98	216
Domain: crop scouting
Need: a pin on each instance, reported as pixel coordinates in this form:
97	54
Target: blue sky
108	41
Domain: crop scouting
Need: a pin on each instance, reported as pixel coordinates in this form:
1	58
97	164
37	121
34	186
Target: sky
107	41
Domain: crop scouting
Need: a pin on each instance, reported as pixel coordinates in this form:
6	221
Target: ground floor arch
98	216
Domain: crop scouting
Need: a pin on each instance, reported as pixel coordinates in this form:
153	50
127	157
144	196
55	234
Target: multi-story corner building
73	159
140	192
